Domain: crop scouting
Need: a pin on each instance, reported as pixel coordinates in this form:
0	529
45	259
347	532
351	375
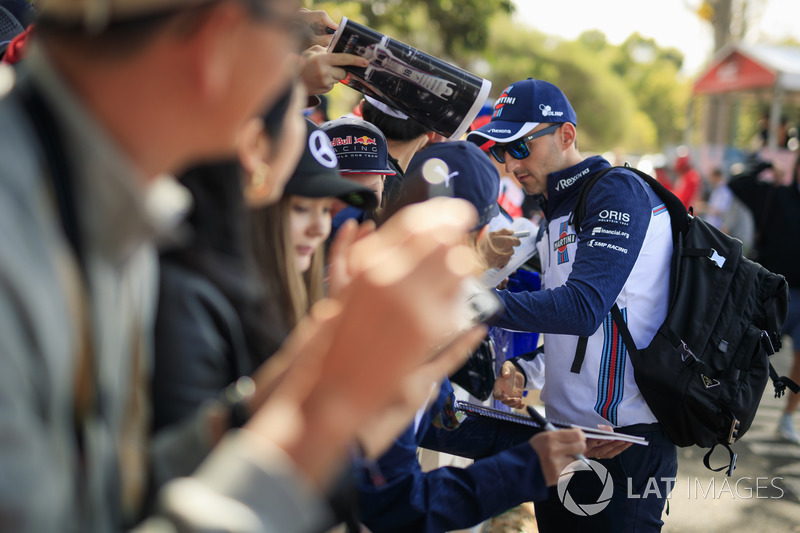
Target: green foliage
628	97
460	26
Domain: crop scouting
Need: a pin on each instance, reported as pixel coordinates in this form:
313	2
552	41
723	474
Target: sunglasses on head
519	149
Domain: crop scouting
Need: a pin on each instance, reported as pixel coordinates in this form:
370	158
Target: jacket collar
119	210
564	185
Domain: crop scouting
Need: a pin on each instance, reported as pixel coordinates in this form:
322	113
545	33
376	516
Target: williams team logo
547	111
503	100
560	245
583	508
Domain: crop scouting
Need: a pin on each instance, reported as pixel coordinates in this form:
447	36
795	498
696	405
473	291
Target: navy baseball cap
523	106
317	174
359	145
459	169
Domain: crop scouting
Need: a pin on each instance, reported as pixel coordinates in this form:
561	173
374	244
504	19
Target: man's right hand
509	385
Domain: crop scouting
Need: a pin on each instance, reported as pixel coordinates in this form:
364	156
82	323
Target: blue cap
461	170
523	106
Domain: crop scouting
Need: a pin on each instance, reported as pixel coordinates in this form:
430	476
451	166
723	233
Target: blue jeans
791	326
642	476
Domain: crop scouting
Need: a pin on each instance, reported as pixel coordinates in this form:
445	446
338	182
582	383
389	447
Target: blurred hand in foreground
377	345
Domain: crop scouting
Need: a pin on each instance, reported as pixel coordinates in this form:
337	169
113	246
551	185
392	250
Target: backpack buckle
685	353
766	340
716	258
733	434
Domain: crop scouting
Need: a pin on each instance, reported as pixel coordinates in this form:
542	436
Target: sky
671	23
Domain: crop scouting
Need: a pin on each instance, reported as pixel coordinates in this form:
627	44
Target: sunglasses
519	149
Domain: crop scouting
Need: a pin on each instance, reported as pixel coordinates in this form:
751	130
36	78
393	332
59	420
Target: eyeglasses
519	149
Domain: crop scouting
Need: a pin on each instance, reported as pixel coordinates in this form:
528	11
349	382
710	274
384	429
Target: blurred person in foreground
109	96
621	256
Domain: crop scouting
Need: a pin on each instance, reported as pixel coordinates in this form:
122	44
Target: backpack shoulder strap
679	220
579	211
728	468
627	340
676	209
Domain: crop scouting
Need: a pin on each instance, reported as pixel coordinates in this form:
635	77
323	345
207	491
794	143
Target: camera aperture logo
585	509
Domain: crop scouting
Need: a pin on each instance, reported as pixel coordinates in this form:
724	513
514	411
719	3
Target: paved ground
773	469
762	495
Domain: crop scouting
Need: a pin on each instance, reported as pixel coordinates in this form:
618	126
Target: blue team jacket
506	473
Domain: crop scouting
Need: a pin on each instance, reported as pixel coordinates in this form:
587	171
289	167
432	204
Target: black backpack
704	373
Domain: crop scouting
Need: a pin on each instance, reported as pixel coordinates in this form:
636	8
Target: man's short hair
393	128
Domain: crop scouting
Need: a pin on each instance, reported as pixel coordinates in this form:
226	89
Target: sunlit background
628	66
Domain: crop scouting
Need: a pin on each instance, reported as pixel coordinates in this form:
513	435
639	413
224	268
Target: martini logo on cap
321	149
503	100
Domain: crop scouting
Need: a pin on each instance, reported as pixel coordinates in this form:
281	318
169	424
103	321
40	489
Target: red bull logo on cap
349	139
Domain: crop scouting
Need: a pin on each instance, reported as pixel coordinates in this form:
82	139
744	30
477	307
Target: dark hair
321	108
392	127
219	251
274	117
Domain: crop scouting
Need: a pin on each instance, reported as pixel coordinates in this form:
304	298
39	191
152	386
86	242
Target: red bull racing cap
360	146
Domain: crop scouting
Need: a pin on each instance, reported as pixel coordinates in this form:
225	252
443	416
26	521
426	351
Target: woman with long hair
214	323
289	236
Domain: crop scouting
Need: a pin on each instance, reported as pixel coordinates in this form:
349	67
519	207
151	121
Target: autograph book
472	409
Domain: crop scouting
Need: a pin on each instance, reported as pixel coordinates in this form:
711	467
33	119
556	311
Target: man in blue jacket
512	467
396	496
621	255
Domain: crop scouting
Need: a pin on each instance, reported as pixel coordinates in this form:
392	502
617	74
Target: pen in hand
548	426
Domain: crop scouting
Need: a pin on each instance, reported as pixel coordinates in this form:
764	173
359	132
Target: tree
628	97
651	74
459	26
